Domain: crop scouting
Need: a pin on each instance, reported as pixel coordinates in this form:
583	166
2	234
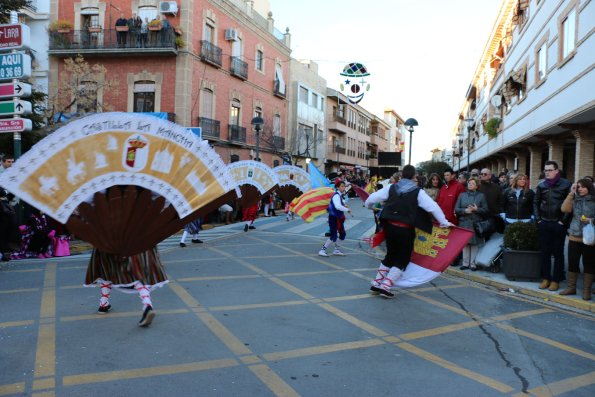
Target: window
144	96
258	112
206	108
259	60
279	81
277	125
303	95
568	33
314	100
234	112
209	33
541	60
321	104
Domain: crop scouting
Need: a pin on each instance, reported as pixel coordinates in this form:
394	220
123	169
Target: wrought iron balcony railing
237	133
278	143
210	53
209	128
239	68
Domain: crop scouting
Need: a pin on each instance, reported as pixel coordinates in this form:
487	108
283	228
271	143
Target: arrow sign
8	108
15	125
11	90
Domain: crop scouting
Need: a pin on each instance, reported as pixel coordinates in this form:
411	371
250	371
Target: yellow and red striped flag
313	203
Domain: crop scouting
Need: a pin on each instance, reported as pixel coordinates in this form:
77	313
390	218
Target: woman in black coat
518	201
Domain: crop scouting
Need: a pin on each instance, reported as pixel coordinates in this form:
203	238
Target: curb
579	304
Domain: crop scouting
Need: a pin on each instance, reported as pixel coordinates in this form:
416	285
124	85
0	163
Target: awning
90	11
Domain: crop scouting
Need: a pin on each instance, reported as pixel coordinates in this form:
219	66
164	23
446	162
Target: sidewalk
528	288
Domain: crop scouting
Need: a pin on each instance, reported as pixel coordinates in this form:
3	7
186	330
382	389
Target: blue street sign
15	66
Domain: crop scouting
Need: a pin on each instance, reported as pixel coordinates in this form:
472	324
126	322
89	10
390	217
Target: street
261	314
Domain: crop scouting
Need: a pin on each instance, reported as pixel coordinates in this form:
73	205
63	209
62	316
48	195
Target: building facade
531	98
37	17
306	120
210	64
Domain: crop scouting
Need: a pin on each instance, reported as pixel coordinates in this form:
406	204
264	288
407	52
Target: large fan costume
122	182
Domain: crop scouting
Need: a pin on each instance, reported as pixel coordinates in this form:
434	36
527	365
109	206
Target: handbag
589	234
484	228
61	246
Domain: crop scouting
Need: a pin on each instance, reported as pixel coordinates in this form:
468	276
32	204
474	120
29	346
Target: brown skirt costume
124	271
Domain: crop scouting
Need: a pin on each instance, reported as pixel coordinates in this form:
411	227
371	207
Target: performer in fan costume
140	273
336	220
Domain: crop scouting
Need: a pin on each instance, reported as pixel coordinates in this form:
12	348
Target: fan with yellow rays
122	181
255	180
293	181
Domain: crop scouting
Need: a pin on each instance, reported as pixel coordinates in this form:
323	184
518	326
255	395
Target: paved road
260	314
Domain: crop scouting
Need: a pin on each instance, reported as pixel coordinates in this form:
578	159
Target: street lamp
470	125
257	122
307	152
410	123
454	147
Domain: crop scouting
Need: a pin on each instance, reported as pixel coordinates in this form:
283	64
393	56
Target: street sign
14	36
15	125
15	66
8	108
11	90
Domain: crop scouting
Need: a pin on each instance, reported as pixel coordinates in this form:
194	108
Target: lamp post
307	152
460	149
470	125
257	122
454	147
410	123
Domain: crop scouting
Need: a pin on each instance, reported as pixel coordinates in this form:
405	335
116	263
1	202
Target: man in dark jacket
406	207
493	195
549	196
121	36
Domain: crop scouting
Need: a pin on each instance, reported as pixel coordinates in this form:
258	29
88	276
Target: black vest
404	208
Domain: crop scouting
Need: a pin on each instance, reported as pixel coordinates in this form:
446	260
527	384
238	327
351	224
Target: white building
532	96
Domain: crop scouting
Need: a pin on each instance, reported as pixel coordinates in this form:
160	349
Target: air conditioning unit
168	7
231	34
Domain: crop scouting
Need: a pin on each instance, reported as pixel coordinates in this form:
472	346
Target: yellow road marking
16	291
233	343
273	381
440	304
187	279
43	394
257	306
184	295
309	273
45	383
291	288
526	313
82	379
349	318
15	388
349	297
45	356
102	317
547	341
16	323
312	351
562	386
501	387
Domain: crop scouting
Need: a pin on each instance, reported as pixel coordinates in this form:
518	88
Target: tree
6	6
77	90
430	167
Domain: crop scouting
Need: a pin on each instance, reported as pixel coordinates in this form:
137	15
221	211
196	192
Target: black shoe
147	318
104	309
196	241
246	227
375	290
385	294
251	227
464	267
327	234
182	245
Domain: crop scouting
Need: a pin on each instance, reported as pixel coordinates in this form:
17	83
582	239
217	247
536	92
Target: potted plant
155	24
123	28
521	258
491	127
61	26
180	43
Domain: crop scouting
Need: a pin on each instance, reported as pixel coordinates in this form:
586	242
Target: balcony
336	149
210	53
210	128
279	89
105	43
338	124
237	133
278	143
239	68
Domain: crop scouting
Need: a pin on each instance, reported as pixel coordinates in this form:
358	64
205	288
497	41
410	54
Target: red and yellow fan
122	181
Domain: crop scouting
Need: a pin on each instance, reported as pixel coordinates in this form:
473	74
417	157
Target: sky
421	54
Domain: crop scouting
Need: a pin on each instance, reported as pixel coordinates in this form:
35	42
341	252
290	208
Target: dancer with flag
336	220
406	207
